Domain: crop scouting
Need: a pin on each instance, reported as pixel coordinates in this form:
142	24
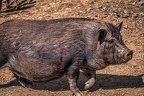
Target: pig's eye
111	41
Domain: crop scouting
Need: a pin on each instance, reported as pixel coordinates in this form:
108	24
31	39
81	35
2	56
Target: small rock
80	12
141	2
100	6
91	1
131	12
133	3
90	9
142	14
125	26
114	14
125	11
135	15
104	8
125	15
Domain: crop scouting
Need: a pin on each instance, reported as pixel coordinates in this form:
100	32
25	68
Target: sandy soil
119	80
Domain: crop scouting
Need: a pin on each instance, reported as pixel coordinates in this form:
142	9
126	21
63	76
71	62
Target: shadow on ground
103	81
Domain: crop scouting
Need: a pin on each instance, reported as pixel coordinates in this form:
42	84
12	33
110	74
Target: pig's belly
38	74
35	70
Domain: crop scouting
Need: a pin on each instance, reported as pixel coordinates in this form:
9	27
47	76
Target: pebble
142	14
135	15
133	3
126	14
125	26
125	11
141	2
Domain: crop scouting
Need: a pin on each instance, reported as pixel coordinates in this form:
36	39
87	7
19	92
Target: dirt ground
119	80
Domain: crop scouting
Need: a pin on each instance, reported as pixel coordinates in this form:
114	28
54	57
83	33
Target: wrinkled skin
39	51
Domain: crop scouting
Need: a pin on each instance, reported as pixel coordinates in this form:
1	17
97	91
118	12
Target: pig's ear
102	35
119	25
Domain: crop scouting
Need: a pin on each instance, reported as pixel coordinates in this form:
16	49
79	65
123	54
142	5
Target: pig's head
111	48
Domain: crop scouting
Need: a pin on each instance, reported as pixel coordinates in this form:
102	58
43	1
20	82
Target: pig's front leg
72	75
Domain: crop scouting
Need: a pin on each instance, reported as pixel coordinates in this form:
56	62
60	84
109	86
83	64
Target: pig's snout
128	54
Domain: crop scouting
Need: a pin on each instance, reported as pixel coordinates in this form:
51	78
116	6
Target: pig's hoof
77	93
24	83
90	83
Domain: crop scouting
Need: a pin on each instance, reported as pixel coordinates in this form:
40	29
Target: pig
43	50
